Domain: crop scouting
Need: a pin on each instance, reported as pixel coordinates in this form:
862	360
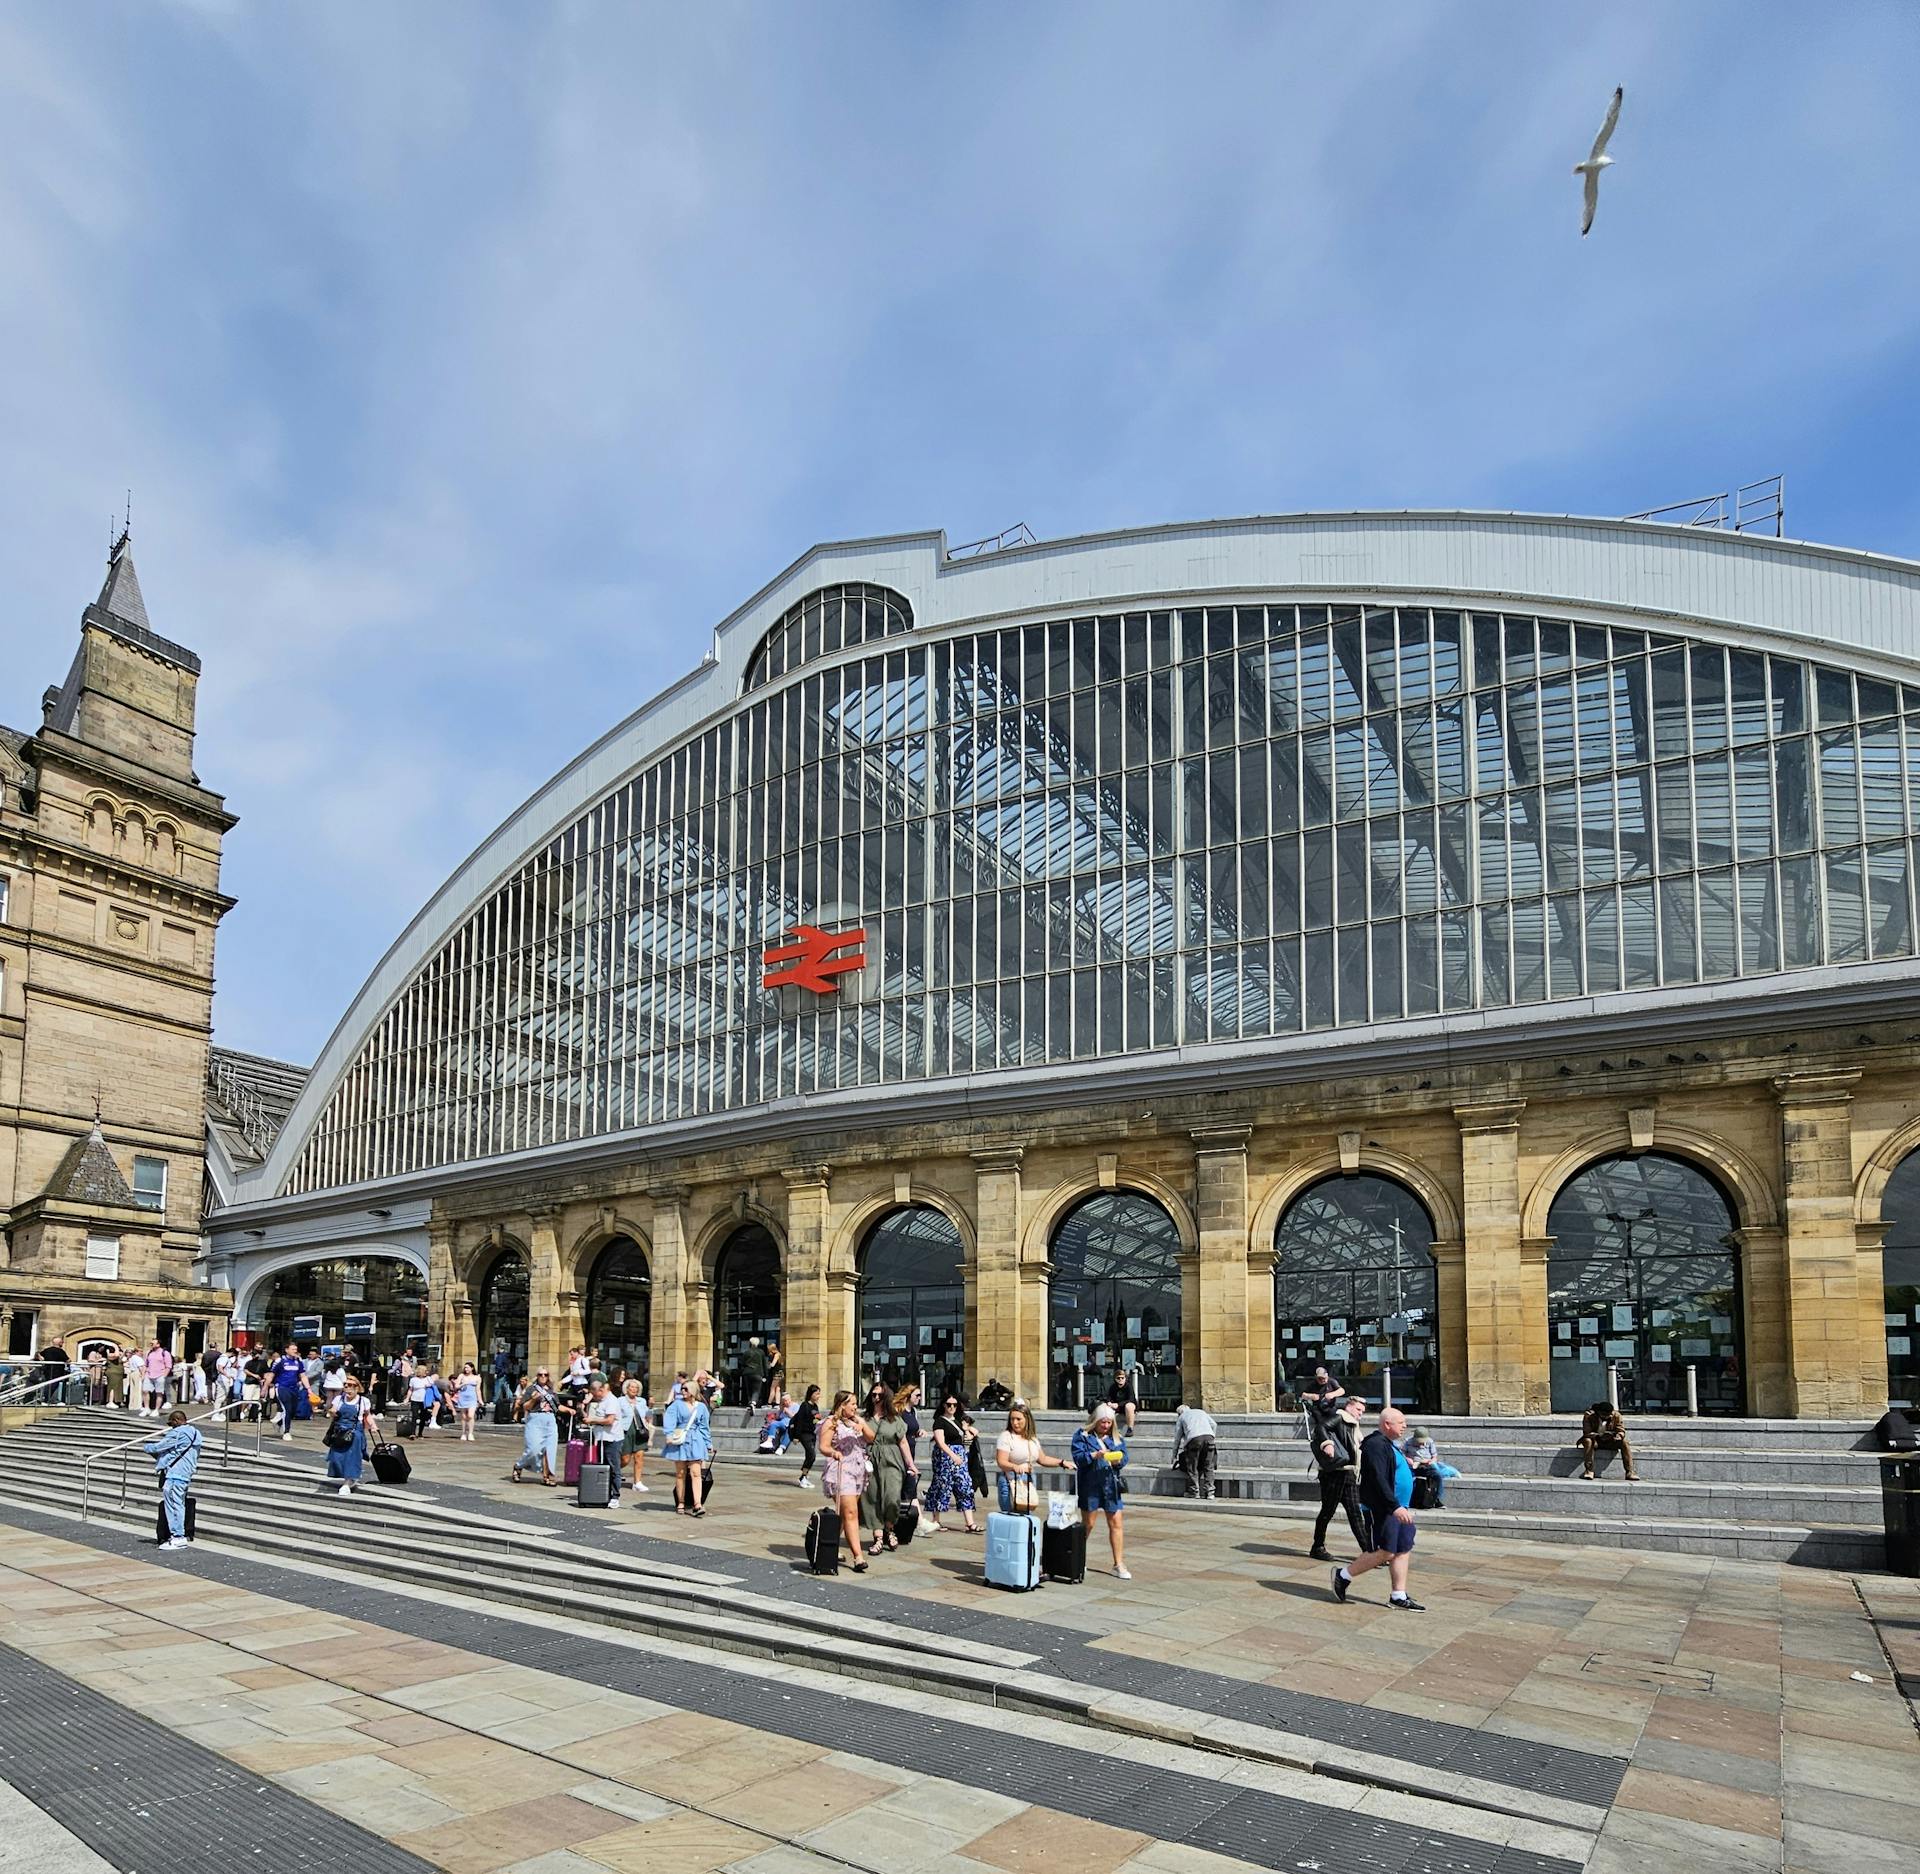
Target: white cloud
467	362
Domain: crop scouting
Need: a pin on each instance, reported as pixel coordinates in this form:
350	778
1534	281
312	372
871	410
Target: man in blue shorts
1386	1491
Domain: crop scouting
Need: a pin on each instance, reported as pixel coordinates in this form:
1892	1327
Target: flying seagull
1598	159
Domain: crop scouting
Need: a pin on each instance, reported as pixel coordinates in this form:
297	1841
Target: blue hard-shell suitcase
1013	1552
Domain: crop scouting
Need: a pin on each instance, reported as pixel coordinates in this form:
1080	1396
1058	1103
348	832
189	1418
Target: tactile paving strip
142	1796
1272	1831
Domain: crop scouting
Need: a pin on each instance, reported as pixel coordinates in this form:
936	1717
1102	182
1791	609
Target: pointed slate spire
120	595
87	1174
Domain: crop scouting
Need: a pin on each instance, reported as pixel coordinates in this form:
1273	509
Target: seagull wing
1606	129
1592	193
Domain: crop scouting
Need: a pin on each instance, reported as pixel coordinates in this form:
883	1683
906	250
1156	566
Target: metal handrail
15	1395
124	1450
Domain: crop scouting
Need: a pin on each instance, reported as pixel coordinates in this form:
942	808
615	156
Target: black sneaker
1406	1605
1319	1554
1341	1583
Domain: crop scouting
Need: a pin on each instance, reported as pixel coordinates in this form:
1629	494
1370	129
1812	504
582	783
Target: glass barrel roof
1083	838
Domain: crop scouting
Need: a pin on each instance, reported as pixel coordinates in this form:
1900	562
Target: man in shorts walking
1386	1491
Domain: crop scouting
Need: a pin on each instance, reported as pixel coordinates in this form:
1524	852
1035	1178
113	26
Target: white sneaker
174	1542
643	1486
286	1438
1124	1574
346	1490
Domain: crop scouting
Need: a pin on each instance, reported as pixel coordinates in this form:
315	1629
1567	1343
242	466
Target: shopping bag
1063	1512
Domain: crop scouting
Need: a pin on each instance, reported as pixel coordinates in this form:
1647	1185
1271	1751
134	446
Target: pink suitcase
576	1456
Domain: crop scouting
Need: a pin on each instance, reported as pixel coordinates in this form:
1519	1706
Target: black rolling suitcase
907	1524
161	1533
1063	1553
390	1464
823	1541
503	1411
595	1488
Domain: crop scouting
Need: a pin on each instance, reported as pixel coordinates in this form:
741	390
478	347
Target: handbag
341	1435
1020	1491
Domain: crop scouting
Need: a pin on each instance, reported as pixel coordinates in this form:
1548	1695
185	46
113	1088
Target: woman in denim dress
1099	1456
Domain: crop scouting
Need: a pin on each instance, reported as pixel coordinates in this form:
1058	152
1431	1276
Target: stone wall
1798	1132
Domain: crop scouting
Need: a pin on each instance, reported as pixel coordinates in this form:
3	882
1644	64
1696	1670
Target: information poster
1379	1354
1662	1353
1133	1327
1696	1349
1622	1318
1619	1350
1589	1356
1589	1324
1564	1330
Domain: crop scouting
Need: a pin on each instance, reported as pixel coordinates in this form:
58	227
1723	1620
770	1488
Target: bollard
1080	1387
1613	1386
1386	1387
1693	1392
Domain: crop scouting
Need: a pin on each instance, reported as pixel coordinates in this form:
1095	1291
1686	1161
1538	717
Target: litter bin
1900	1503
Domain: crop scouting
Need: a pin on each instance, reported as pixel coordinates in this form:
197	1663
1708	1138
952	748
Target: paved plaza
1726	1714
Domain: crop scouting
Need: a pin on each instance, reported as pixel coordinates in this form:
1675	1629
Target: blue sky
469	362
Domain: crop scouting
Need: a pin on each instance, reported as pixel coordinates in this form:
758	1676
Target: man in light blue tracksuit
176	1456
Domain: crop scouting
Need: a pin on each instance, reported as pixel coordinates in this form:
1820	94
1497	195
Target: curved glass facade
1088	837
1900	1205
1113	1302
834	619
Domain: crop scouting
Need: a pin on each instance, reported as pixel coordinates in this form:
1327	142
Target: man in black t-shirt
1124	1394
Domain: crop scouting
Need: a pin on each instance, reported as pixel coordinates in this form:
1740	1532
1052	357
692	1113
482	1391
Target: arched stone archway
1644	1277
1890	1239
1356	1289
1115	1297
746	1302
618	1307
911	1319
501	1309
373	1299
1745	1186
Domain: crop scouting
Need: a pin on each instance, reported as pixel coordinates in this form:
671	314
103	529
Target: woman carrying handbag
346	1435
1018	1453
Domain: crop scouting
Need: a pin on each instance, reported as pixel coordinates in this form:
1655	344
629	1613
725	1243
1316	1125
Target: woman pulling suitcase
844	1468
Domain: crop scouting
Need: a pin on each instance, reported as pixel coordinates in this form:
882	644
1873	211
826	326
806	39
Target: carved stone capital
1220	1138
998	1158
1816	1089
799	1177
1489	1115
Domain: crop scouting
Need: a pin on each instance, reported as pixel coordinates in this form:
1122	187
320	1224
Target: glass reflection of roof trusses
1117	1236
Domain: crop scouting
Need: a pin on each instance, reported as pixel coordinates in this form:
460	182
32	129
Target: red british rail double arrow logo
814	958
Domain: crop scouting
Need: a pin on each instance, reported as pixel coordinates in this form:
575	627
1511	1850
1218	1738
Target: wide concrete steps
1814	1527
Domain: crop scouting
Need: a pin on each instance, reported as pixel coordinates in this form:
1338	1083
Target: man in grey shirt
1193	1435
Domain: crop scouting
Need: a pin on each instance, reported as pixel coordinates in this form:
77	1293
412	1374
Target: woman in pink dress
844	1461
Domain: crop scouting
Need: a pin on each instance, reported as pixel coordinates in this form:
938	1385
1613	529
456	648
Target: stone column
1535	1347
842	1300
1495	1278
547	1338
462	1342
1871	1274
1261	1358
1450	1327
699	1325
1763	1286
1220	1214
995	1290
809	1333
442	1287
1823	1306
667	1328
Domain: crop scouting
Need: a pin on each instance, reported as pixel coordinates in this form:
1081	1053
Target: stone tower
109	902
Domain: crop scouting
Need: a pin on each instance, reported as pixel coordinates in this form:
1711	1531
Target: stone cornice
58	858
1489	1115
60	747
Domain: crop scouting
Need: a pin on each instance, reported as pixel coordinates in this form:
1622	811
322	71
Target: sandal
859	1568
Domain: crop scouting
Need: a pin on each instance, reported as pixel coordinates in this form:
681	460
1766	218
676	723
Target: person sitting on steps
1603	1429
